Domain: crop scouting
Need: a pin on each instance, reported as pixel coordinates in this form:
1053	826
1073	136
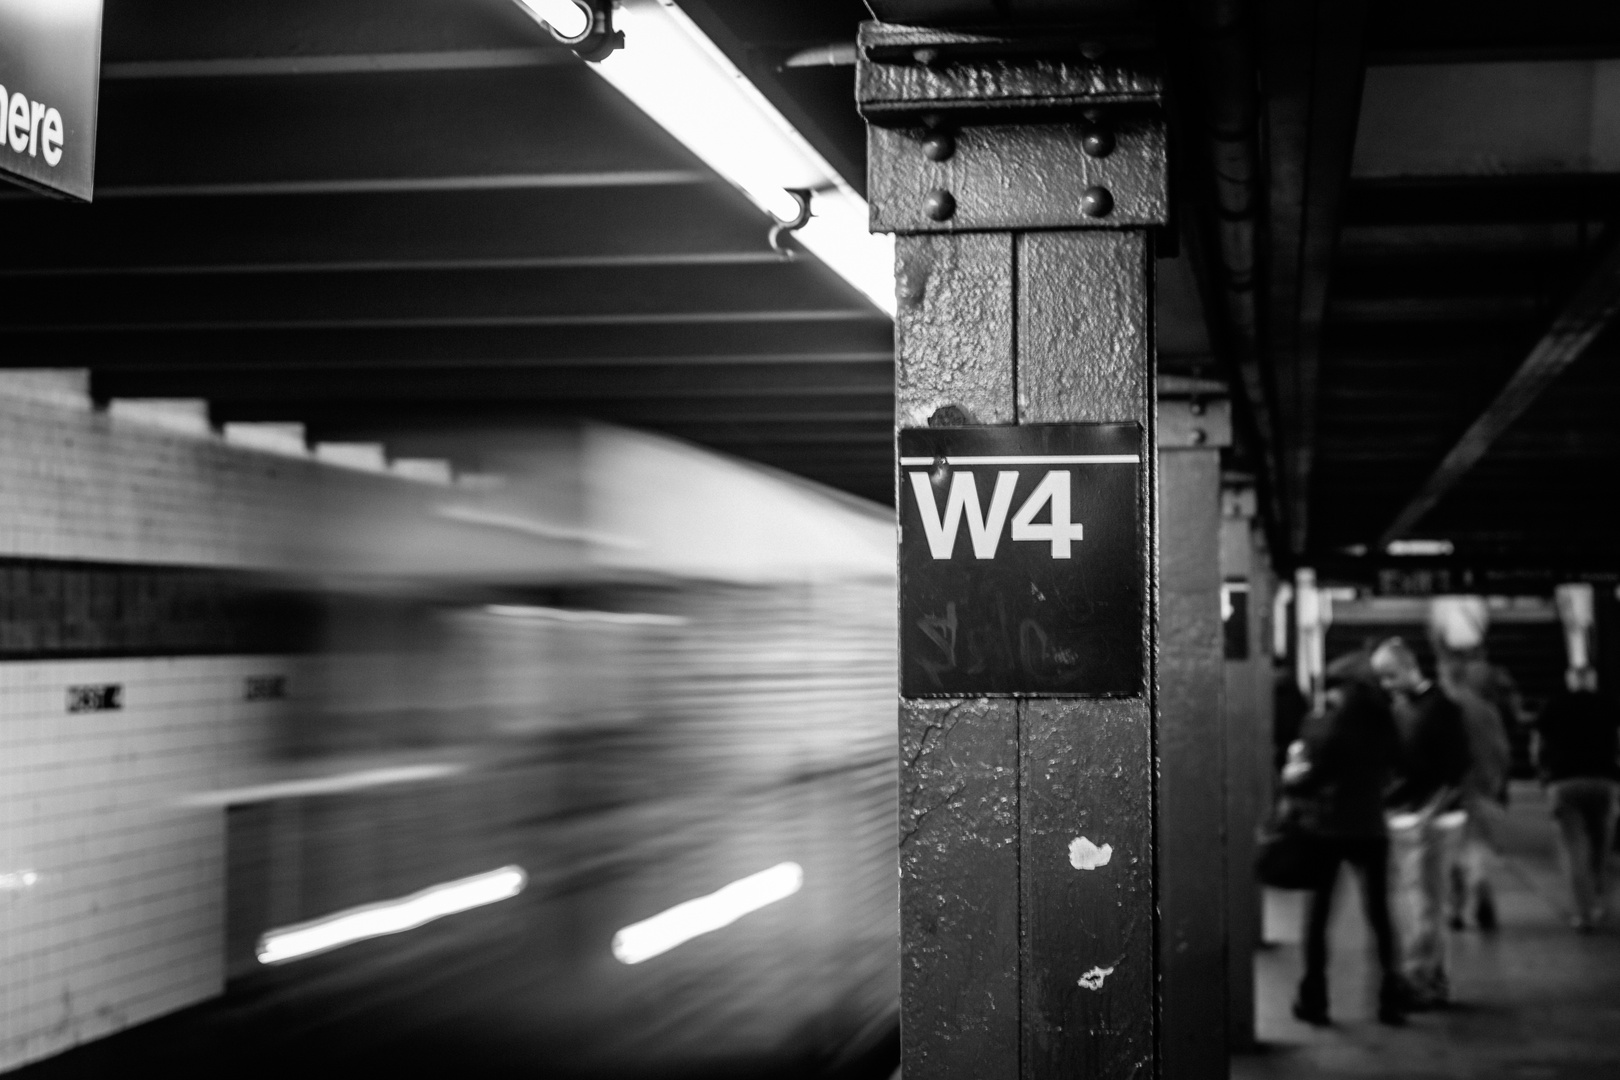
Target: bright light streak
389	916
18	880
683	922
306	786
672	71
1420	547
570	615
565	17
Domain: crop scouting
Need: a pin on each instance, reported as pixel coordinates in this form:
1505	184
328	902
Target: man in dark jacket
1425	820
1349	754
1576	752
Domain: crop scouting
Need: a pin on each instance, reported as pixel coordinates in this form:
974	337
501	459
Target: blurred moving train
637	679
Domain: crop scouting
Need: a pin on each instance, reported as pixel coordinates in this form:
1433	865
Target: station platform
1533	1001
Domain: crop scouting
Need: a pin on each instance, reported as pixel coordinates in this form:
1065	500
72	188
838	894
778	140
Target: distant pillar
1246	612
1022	177
1192	811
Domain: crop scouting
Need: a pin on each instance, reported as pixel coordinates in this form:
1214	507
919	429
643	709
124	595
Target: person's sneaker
1394	998
1312	1013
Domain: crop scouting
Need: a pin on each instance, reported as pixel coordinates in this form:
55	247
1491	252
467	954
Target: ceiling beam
390	185
1586	314
396	227
408	348
1314	67
335	64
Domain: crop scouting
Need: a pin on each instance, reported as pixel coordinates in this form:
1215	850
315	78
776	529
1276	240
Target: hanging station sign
1021	564
50	76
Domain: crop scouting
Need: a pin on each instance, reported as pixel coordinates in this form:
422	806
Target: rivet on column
941	204
1096	202
939	146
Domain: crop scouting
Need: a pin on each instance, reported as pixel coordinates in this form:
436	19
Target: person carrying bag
1331	812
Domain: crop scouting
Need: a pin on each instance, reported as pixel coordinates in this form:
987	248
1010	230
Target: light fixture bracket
598	40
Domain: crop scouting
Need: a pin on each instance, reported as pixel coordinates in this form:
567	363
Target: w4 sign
1021	563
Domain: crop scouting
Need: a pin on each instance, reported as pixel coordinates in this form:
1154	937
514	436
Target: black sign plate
1021	561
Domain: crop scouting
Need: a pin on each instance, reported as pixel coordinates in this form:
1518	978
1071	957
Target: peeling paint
1093	979
1084	855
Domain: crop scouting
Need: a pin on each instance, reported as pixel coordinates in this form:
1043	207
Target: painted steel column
1192	743
1024	298
1245	610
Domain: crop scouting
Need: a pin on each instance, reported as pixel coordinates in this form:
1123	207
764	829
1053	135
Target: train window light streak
652	937
389	916
672	71
567	615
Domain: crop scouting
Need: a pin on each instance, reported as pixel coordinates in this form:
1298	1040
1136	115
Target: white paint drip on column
1093	979
1084	855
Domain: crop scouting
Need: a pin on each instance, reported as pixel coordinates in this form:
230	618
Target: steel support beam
1245	613
1584	316
1019	962
1191	803
1314	69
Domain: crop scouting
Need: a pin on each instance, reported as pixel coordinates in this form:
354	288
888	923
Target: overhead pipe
1223	124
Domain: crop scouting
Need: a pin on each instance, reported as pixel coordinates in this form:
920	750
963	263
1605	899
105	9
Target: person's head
1580	680
1396	666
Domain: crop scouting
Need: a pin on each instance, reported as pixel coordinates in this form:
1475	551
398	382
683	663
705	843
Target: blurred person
1288	713
1465	677
1349	754
1425	816
1576	754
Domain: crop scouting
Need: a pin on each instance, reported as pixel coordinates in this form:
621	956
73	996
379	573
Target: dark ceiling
390	219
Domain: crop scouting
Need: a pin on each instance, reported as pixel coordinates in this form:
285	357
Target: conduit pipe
1225	100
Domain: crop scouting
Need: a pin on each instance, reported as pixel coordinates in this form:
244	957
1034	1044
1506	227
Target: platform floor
1534	1000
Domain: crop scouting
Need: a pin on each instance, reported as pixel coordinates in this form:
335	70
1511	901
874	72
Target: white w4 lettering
984	527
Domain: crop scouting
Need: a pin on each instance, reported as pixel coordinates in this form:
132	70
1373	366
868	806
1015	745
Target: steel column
1192	746
1248	745
1019	303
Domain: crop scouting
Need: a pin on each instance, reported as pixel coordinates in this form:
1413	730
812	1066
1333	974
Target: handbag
1288	855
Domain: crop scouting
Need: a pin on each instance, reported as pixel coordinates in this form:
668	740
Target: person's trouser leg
1371	861
1370	857
1478	860
1575	846
1423	855
1318	914
1604	807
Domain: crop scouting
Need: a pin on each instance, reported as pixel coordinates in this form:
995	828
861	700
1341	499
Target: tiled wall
111	891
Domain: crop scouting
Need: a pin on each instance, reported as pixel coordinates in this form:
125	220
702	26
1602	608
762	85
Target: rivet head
1199	437
1195	407
926	57
939	146
1096	202
1097	142
941	204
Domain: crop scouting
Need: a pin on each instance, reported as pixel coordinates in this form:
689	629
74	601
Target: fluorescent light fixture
1420	547
672	71
683	922
389	916
565	18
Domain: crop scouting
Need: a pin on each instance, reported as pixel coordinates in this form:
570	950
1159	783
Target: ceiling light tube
671	70
564	18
